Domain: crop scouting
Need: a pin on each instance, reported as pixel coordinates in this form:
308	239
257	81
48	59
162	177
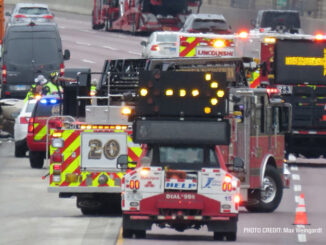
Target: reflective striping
72	160
255	79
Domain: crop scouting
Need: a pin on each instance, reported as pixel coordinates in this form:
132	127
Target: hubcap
269	192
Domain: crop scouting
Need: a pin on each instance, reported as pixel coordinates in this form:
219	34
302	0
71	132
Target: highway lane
33	216
89	48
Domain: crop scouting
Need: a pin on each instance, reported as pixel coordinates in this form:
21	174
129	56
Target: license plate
170	49
19	87
214	52
285	89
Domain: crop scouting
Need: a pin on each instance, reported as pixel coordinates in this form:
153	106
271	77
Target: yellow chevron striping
40	134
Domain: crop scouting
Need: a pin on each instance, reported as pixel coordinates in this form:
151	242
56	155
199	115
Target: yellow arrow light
307	61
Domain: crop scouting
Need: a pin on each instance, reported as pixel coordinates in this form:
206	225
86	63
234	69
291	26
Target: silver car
27	12
161	44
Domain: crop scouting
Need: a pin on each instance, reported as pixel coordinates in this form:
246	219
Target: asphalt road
29	215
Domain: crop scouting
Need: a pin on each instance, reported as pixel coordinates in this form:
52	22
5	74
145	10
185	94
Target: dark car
29	50
282	21
206	23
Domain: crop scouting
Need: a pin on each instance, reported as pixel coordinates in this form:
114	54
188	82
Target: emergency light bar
182	94
181	132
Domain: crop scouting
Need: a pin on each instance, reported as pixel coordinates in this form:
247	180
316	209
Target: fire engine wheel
230	236
271	195
36	159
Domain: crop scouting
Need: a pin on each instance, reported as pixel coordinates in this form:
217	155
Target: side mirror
238	163
122	162
143	43
66	55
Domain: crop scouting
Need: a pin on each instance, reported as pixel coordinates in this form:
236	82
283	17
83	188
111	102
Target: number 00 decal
111	149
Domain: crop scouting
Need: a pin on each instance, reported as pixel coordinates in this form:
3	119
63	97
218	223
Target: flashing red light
132	184
155	47
237	199
137	184
243	34
272	91
62	69
23	120
57	167
4	74
319	36
261	29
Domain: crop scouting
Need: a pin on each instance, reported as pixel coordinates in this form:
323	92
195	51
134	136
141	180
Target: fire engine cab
142	15
181	180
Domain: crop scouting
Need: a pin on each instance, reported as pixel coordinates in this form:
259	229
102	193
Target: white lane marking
62	27
108	47
88	61
295	176
83	43
297	199
132	52
302	238
294	168
297	187
88	31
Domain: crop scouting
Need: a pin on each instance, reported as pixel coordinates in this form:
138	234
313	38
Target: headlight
57	143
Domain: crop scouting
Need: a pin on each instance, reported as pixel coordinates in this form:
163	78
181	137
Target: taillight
18	16
4	74
155	47
227	183
137	184
134	184
23	120
57	157
62	69
272	91
49	17
56	174
31	125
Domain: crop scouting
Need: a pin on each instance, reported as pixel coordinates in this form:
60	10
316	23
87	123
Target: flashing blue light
43	101
53	101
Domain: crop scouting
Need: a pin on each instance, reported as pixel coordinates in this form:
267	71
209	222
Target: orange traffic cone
300	214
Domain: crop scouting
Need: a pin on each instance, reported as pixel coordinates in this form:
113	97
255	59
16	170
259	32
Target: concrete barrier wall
238	18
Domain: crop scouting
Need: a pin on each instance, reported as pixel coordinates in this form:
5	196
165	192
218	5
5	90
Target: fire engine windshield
165	7
183	157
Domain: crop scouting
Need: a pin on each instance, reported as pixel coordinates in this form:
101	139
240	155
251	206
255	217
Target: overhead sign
300	61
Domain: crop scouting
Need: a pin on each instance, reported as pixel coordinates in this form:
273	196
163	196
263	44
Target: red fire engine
142	15
294	63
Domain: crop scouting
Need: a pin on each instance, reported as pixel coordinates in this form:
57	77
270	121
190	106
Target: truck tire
271	196
36	159
20	149
231	236
140	234
89	211
126	232
218	236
